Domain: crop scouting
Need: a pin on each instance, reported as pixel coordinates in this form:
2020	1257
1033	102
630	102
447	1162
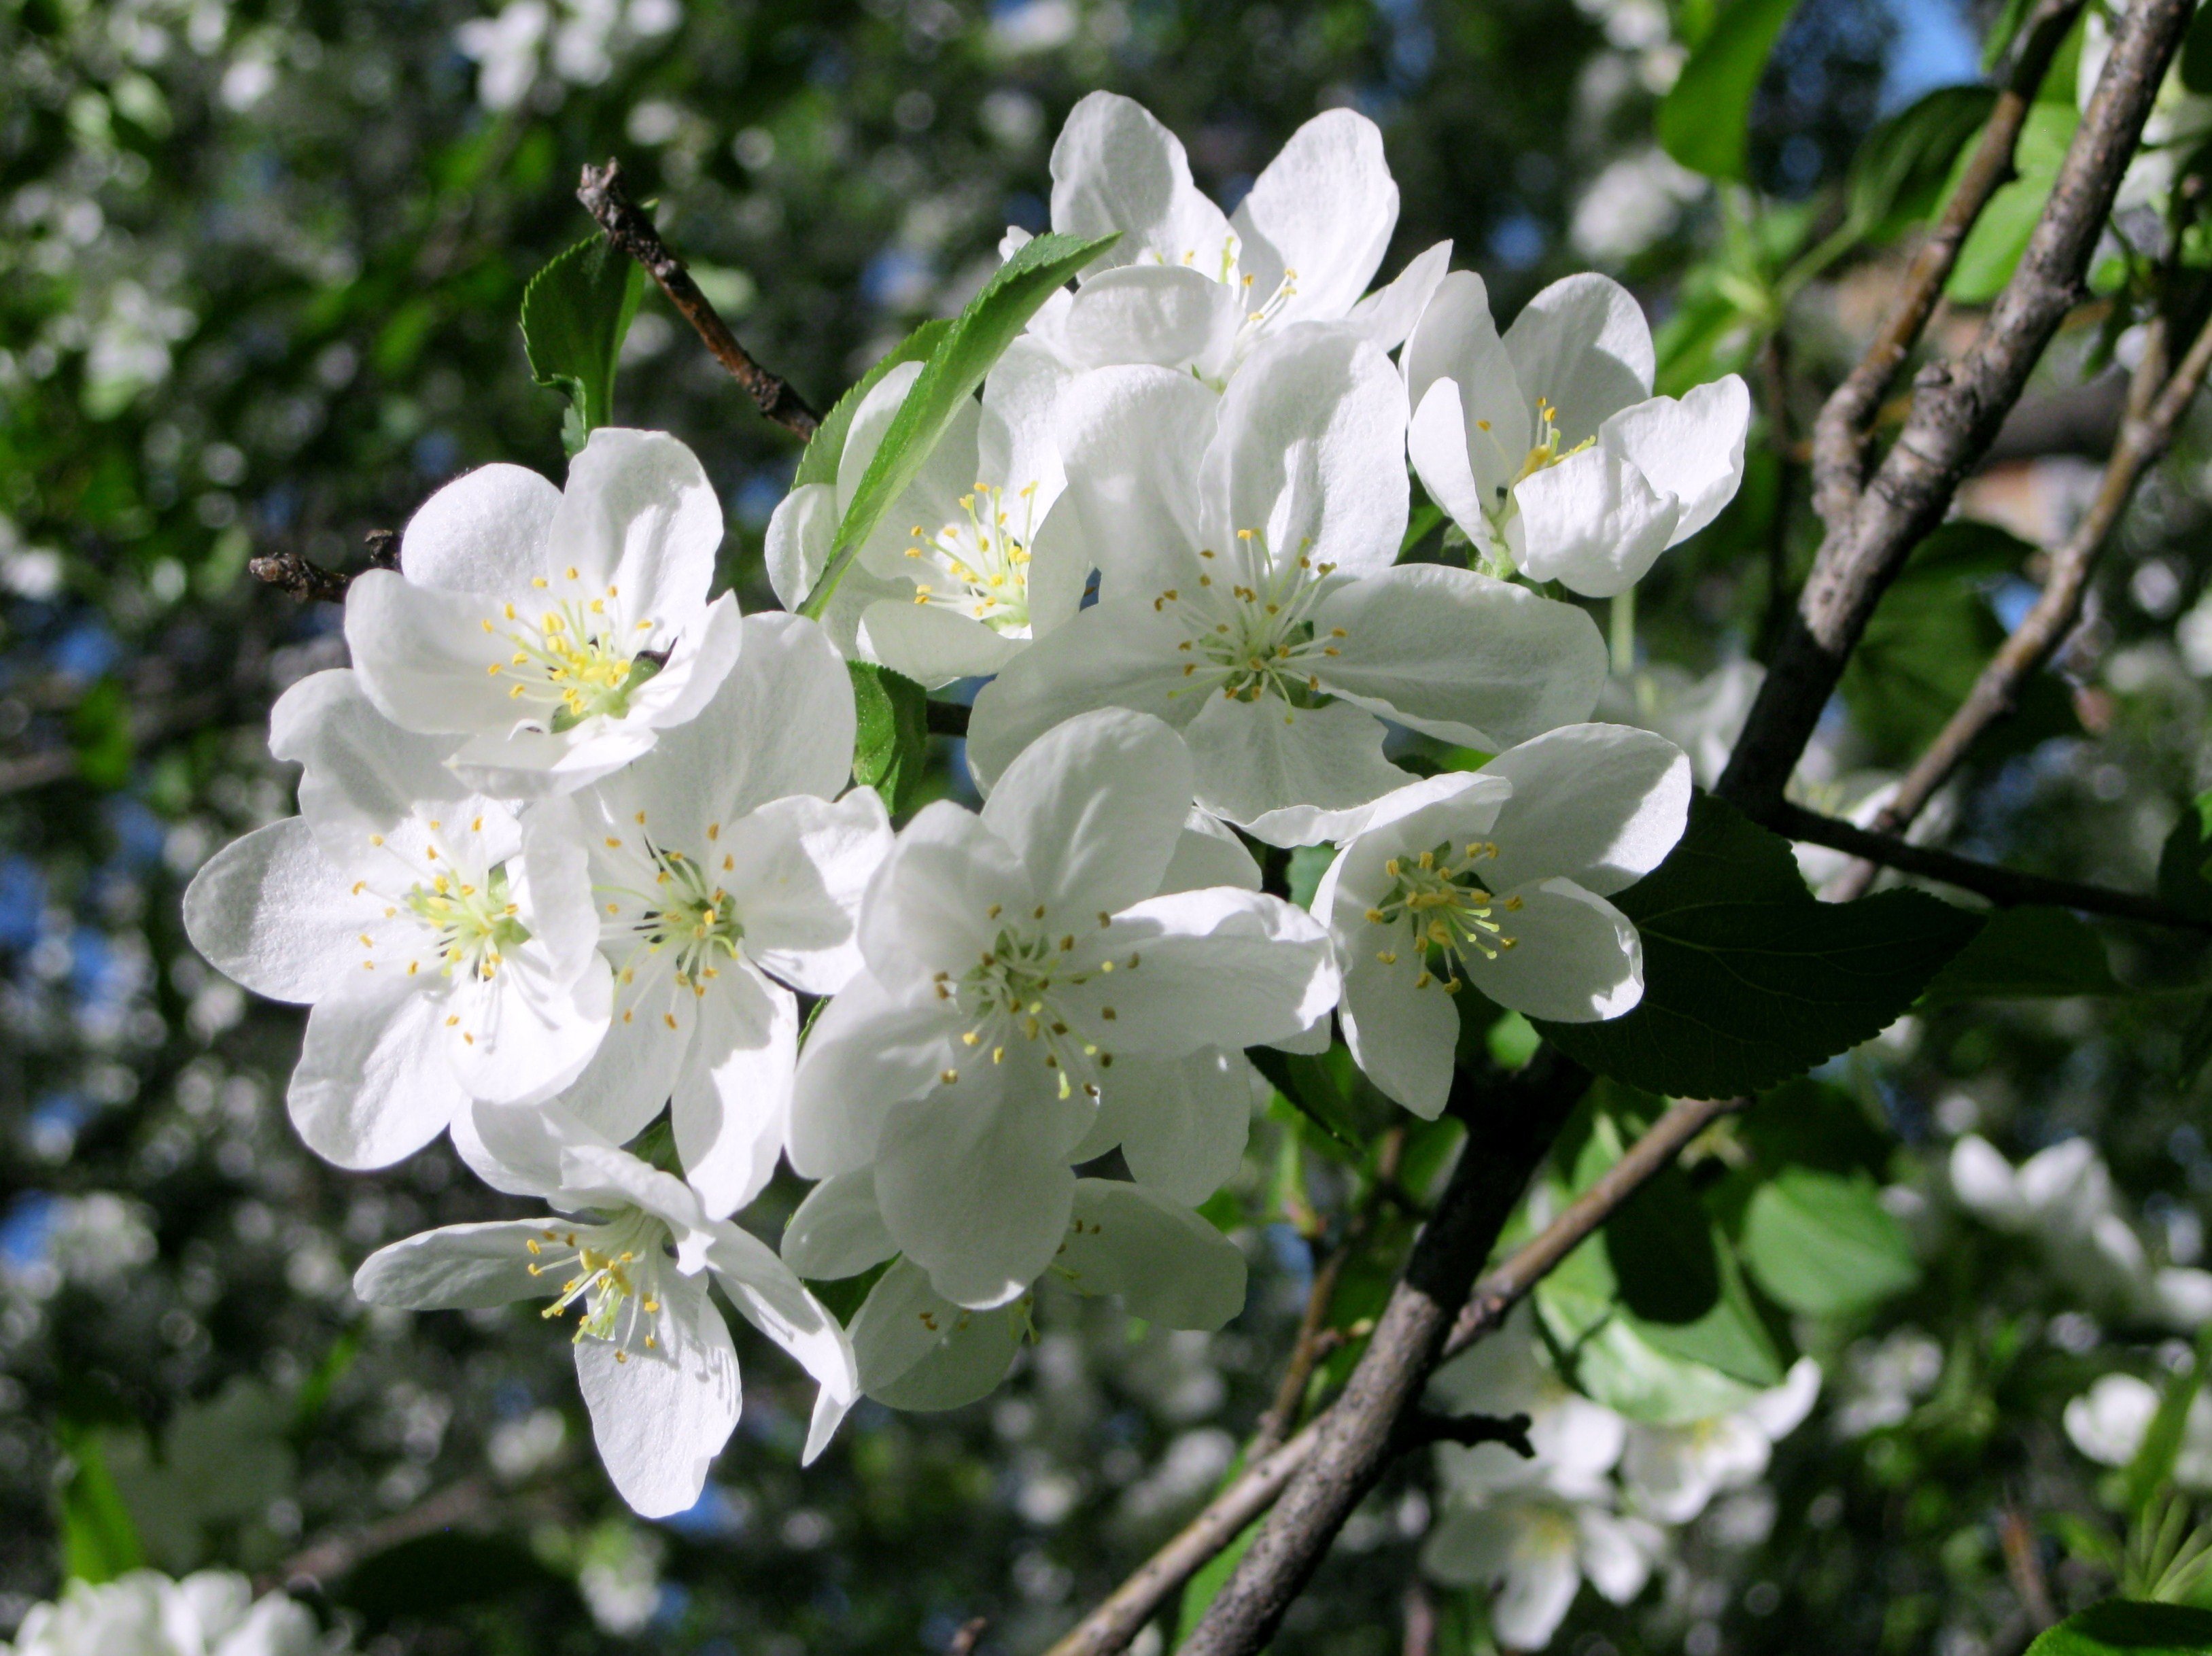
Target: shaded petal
526	1034
1116	168
1592	521
1403	1038
1691	448
460	1268
1461	656
935	902
1133	438
1467	442
867	1052
1324	208
1286	776
1182	1123
838	1230
1582	344
517	1148
1601	804
801	533
731	1107
373	1084
1616	1552
1121	653
1386	317
1208	853
774	1300
1060	562
918	1350
804	863
639	512
1018	443
931	644
1576	959
361	774
635	1067
485	532
424	656
270	912
1167	1265
1168	315
661	1415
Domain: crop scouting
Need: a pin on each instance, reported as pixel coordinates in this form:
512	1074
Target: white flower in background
144	1613
2179	119
1018	964
2063	1197
506	49
510	47
1701	717
917	1350
1191	288
1577	1441
1534	1547
1547	448
1246	593
971	563
1671	1472
722	872
552	633
1631	204
1499	878
448	950
2107	1423
1885	1378
630	1248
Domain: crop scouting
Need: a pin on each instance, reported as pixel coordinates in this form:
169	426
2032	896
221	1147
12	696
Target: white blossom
1546	446
448	948
631	1247
144	1613
554	634
1246	545
1671	1472
1018	964
971	563
1535	1548
2108	1422
1499	878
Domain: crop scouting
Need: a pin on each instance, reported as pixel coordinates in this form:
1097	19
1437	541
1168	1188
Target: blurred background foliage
259	268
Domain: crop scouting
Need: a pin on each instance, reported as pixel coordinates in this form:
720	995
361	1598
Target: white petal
1116	168
801	533
1018	443
1280	774
1133	438
1469	440
918	1350
704	651
1984	1181
931	644
1592	522
638	512
774	1301
550	884
1095	808
870	421
1461	656
1060	562
1208	853
1584	344
1779	1412
2108	1422
1616	1553
1575	958
373	1084
1182	1123
797	869
731	1107
635	1067
598	1176
661	1416
867	1052
485	532
838	1230
1403	1038
1601	804
517	1148
363	775
269	911
935	901
526	1035
424	656
781	722
1310	453
460	1268
1167	1265
1167	315
1692	449
1324	208
1386	317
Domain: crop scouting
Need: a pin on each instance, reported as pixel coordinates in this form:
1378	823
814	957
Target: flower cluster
145	1613
575	849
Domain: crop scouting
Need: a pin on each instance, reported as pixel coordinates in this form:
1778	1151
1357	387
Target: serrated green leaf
1705	120
1898	175
2118	1627
575	313
890	735
962	355
1821	1243
826	447
1749	981
2022	953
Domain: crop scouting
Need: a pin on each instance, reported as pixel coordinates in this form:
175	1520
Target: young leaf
890	742
1704	121
575	313
962	355
99	1541
2118	1626
1819	1245
1999	234
1898	175
1747	979
2023	953
826	446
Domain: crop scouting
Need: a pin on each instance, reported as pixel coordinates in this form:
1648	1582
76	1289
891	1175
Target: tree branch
292	572
1956	411
1422	1428
468	1502
1840	434
2006	888
605	198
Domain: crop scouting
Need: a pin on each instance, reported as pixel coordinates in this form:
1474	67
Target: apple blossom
1499	878
1018	965
1189	288
631	1247
1247	596
1536	1546
2109	1421
723	871
1547	448
971	563
554	633
1671	1472
446	948
144	1613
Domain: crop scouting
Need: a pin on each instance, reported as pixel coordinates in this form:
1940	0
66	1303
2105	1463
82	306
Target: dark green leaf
826	446
1809	1124
1898	175
1704	121
962	355
2118	1627
1749	981
1308	863
1821	1245
2197	52
99	730
99	1540
2196	1044
2182	861
2025	952
891	740
1999	234
576	313
432	1575
1305	1081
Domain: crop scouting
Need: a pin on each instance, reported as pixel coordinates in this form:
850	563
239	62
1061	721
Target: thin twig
310	582
963	1643
2006	888
1420	1611
605	198
466	1502
1840	434
1422	1428
2025	1566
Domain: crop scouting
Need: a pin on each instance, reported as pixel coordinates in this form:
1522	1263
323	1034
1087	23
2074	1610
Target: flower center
1439	908
980	567
611	1269
473	925
686	911
1252	632
1257	315
1008	997
577	658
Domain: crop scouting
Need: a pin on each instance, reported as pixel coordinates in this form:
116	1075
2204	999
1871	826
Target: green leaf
1704	121
2182	861
826	446
1681	1289
99	1540
2117	1627
2197	52
1822	1245
1304	1081
2151	1468
891	740
2024	953
576	313
1999	234
1809	1124
962	355
1897	177
1749	981
2196	1045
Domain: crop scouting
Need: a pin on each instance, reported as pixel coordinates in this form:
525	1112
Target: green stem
1623	632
